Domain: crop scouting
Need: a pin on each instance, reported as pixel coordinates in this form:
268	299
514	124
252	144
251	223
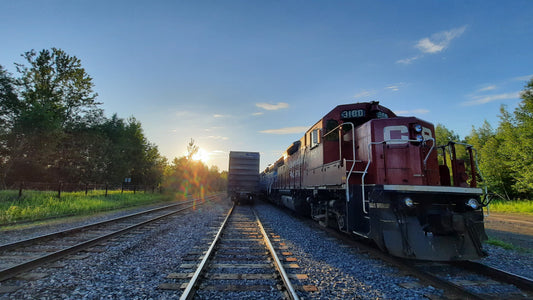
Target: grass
501	244
36	205
507	246
513	206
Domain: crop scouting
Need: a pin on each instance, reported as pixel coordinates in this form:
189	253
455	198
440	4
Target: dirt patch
515	229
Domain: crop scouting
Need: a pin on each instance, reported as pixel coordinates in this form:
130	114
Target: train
243	177
375	175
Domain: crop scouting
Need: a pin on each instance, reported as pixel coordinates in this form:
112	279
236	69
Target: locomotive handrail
486	201
353	138
370	161
339	127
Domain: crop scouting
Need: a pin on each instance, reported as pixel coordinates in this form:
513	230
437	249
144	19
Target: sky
254	75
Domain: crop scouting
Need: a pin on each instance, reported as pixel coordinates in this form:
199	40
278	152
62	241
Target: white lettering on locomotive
398	132
426	133
382	115
356	113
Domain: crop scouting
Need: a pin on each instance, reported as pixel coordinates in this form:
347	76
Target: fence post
134	188
106	189
122	190
59	190
86	188
20	188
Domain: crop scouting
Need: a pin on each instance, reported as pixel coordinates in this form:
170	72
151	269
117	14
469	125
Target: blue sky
252	75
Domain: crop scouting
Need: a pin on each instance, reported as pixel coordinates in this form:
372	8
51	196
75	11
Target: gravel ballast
133	266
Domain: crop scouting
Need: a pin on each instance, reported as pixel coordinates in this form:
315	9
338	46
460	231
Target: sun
201	155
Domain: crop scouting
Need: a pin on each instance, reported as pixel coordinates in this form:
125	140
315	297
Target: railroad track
472	280
25	255
458	280
240	259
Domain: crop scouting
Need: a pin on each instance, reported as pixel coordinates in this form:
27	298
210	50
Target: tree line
53	129
504	153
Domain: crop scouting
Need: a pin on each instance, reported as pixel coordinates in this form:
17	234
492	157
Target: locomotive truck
372	174
243	176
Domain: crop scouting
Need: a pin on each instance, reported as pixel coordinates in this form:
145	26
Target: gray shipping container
243	175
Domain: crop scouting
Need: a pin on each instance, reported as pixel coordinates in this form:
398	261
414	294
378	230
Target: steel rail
40	238
189	291
277	262
405	265
520	282
28	265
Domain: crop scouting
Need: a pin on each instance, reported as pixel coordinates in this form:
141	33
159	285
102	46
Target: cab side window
314	138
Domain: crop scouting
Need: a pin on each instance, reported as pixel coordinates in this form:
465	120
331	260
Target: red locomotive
370	173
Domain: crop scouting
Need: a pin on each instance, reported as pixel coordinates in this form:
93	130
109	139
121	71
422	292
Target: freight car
243	176
373	174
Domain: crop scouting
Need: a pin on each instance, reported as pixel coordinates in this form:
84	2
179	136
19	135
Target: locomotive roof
365	110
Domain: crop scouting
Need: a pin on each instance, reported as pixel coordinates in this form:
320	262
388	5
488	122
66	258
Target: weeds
513	206
35	205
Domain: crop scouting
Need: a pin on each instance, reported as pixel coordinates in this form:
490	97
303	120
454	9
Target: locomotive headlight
473	203
408	202
420	138
418	128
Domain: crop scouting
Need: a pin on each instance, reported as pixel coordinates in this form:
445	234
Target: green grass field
514	206
35	205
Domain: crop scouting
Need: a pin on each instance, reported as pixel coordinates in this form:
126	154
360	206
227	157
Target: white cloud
394	87
216	137
258	113
407	61
487	88
478	100
184	113
420	111
524	78
439	41
268	106
436	43
364	94
286	130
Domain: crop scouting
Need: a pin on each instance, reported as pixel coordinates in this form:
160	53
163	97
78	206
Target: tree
9	109
55	82
443	135
516	132
506	154
52	128
192	149
41	112
496	175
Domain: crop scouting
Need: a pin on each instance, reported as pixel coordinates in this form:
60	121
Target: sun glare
201	155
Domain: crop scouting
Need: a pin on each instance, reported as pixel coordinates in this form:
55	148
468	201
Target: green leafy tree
487	142
54	99
516	131
9	109
506	154
443	135
52	128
